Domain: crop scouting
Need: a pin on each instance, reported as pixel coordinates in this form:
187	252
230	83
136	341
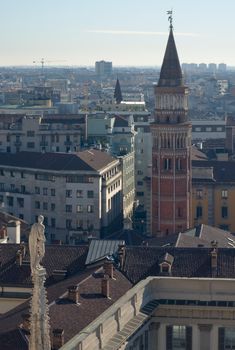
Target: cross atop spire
170	18
171	74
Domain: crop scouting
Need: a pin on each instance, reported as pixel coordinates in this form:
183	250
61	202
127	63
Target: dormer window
165	268
166	264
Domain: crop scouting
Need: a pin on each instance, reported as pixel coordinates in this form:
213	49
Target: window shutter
188	338
169	331
221	338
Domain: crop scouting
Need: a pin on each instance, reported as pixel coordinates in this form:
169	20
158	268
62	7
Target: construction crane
43	62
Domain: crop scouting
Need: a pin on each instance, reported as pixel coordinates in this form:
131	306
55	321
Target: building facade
213	194
103	68
42	134
122	143
171	154
78	194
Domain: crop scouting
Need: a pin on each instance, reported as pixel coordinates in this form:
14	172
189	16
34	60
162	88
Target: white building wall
28	193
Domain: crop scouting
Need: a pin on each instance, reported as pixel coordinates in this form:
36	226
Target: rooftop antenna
170	18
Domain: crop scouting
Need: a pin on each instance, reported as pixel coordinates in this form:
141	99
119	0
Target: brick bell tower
171	153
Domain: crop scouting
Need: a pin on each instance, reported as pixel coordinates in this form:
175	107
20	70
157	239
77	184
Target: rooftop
88	160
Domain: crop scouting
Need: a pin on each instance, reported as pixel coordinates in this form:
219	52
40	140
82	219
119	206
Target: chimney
19	258
214	258
105	286
121	254
108	268
13	231
73	294
58	338
25	325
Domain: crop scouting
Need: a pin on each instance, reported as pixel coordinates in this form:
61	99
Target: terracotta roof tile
57	257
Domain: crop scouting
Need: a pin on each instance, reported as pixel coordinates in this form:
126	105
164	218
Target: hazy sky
126	32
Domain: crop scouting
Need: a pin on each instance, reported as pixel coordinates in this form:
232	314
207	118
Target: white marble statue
37	244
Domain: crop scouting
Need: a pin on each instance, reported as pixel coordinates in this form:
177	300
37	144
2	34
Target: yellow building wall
229	203
200	201
218	203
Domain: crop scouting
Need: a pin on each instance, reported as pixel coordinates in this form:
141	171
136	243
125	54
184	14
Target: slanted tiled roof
188	241
7	254
223	171
96	159
141	262
171	74
73	318
88	160
203	235
44	161
13	340
135	238
64	313
57	257
196	154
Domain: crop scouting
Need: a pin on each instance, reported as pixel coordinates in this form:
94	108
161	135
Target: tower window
155	163
199	212
167	164
178	164
180	212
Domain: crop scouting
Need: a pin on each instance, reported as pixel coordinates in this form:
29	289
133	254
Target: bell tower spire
171	73
171	152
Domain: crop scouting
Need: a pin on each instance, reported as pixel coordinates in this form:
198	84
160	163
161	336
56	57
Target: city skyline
129	33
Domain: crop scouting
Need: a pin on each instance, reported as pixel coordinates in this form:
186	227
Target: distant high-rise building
171	153
103	68
190	67
202	67
212	67
222	67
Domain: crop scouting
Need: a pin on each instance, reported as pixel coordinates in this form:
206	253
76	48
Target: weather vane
170	18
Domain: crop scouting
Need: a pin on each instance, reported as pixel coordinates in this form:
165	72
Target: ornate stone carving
37	244
39	320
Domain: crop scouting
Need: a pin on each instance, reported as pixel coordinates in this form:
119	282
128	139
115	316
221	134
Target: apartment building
213	194
78	194
103	68
55	133
122	143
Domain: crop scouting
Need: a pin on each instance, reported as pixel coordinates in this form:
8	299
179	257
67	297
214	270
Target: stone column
39	322
205	336
153	335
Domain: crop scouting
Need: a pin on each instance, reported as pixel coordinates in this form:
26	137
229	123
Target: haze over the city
126	32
